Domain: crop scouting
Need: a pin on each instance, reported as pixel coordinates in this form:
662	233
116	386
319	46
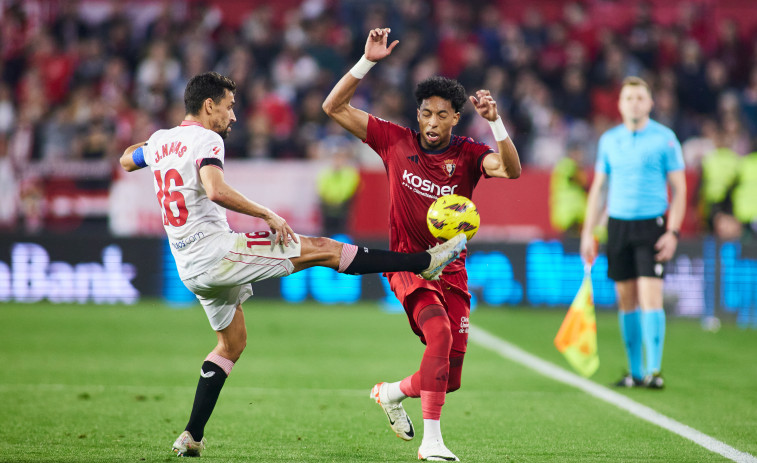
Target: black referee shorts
630	248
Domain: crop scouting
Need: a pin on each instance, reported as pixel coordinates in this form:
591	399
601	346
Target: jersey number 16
166	197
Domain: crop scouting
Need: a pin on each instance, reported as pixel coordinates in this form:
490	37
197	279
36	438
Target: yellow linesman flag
577	337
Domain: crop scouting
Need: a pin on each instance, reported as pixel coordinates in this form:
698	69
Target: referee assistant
640	157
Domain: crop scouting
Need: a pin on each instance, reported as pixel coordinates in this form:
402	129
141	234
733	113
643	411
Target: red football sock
434	371
455	370
411	386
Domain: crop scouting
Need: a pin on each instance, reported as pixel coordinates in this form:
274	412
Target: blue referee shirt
637	166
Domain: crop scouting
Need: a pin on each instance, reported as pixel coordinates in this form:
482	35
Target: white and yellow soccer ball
451	215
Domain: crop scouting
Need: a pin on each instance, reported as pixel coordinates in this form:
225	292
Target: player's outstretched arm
227	196
127	159
337	103
505	163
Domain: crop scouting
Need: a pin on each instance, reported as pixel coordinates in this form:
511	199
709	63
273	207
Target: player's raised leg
355	260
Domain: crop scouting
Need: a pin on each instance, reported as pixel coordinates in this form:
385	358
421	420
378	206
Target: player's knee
321	249
323	244
437	331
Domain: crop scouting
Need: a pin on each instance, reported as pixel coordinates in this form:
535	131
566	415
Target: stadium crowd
83	80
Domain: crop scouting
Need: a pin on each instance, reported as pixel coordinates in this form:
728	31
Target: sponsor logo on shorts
464	324
658	269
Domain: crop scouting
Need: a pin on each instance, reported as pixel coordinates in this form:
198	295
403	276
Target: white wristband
499	130
362	67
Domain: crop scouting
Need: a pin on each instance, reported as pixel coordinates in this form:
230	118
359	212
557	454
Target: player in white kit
217	264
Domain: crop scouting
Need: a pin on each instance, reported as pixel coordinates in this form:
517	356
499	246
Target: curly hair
203	86
448	89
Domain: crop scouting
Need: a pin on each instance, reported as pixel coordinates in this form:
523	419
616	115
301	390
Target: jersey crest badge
449	167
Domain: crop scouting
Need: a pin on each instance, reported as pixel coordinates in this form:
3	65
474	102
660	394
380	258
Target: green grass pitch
116	383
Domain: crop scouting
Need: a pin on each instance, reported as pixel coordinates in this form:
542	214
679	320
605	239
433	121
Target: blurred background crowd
82	80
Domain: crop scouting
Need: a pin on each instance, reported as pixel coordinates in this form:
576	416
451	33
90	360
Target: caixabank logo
31	276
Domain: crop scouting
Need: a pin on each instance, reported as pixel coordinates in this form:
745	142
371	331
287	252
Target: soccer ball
450	215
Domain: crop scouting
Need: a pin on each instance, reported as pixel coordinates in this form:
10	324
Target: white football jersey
197	229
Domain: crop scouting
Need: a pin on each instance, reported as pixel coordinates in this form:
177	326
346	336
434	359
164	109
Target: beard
224	132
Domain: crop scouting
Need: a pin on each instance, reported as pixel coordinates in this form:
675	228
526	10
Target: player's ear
418	115
455	119
208	105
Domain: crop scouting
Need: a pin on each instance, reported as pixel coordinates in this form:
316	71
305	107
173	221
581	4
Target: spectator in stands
91	61
696	148
573	99
8	189
748	101
691	78
7	112
642	36
156	76
703	64
737	135
732	51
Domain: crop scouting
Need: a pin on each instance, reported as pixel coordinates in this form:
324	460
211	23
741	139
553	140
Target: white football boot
186	446
435	450
398	419
443	254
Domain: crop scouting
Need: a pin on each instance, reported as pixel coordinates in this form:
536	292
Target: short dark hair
203	86
448	89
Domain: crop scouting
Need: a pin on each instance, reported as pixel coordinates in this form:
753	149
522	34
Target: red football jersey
417	177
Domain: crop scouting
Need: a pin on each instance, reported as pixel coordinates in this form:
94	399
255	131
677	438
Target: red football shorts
451	292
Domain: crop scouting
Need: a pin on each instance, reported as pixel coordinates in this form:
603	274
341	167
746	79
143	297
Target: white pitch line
550	370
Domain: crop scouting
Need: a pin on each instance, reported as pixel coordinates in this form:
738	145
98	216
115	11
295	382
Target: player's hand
589	249
281	228
375	46
665	246
485	105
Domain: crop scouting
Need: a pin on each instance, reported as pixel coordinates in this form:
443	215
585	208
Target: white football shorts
227	283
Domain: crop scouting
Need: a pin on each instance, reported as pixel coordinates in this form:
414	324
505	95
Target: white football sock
432	430
394	393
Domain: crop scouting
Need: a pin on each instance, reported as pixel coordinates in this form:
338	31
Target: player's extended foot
443	254
398	419
629	381
435	450
654	381
186	446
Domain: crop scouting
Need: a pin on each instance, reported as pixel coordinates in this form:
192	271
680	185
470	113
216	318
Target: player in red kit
421	166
